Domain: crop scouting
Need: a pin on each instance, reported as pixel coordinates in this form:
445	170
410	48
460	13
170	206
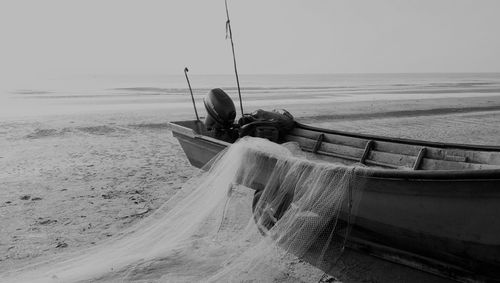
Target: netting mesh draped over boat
208	233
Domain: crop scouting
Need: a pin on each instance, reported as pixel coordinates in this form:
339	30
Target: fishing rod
190	90
230	35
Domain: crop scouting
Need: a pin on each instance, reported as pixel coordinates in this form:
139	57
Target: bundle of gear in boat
271	125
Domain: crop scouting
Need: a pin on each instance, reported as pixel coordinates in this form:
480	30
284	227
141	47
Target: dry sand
68	182
68	188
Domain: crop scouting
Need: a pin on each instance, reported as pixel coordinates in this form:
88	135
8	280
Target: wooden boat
430	205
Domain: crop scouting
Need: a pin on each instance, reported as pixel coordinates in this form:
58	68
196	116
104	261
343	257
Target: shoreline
404	113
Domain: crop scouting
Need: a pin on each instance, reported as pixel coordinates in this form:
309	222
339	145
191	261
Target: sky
271	36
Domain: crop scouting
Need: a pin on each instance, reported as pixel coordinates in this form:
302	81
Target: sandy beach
95	188
70	181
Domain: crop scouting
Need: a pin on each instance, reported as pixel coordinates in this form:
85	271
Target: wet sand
70	181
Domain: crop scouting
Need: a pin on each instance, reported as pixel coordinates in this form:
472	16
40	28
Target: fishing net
218	230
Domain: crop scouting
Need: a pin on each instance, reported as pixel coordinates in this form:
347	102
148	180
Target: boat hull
450	225
443	222
199	153
199	149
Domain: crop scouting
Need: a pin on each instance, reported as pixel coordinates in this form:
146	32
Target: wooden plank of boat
441	156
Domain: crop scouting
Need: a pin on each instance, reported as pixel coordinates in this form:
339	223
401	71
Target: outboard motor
220	115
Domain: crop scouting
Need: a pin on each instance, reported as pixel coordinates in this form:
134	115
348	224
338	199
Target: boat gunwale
370	172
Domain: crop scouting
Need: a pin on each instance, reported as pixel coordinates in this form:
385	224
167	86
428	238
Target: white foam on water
207	232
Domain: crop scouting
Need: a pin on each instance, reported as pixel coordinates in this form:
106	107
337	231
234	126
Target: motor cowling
220	110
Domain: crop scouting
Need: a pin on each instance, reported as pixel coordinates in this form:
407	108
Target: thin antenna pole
228	30
190	90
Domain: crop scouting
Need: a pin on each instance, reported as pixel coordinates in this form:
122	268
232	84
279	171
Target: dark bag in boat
272	125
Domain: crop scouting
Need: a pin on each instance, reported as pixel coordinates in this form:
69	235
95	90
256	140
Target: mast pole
229	32
190	90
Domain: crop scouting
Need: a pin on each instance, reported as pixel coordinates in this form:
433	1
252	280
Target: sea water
74	94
